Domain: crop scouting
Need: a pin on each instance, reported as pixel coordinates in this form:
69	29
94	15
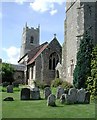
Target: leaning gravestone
62	98
71	97
47	92
8	99
35	93
87	97
25	94
60	91
51	100
81	96
10	89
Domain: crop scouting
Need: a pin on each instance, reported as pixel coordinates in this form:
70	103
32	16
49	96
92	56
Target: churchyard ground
39	108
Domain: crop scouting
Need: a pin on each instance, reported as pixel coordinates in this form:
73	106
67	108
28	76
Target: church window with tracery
53	61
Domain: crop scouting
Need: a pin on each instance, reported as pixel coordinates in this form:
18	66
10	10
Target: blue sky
50	14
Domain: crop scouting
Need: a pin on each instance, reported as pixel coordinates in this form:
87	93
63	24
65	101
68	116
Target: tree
83	66
7	73
92	80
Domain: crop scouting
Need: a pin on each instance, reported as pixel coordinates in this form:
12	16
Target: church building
40	60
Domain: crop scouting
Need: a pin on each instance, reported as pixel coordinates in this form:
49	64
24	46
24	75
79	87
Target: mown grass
39	109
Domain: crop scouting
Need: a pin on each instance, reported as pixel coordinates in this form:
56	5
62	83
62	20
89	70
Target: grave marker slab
25	94
47	92
35	93
51	100
10	89
60	91
81	96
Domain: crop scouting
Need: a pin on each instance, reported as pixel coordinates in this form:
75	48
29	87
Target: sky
49	14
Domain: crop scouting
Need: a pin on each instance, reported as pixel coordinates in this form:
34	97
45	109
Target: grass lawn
39	109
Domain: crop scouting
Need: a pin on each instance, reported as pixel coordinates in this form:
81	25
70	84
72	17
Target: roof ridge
38	53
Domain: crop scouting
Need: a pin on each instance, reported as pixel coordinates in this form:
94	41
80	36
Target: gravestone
71	97
25	94
81	96
8	99
60	91
15	84
87	97
47	92
35	93
51	100
62	98
10	89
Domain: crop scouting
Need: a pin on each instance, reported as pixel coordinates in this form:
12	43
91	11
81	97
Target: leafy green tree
7	73
92	80
83	66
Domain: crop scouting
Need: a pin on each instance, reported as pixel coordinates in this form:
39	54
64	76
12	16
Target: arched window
53	61
31	39
50	64
54	64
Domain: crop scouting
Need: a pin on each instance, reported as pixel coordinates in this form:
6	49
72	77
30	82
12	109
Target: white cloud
12	54
53	12
46	5
20	1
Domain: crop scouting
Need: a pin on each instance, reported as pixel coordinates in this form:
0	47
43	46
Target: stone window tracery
53	61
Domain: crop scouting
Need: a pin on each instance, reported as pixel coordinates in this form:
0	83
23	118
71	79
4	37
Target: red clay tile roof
34	53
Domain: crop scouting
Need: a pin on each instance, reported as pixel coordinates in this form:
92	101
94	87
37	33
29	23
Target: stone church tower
30	39
80	17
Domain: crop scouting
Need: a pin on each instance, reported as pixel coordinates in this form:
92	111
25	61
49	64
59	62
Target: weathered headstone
87	97
51	100
8	99
47	92
15	84
71	97
81	96
25	94
60	91
10	89
35	93
62	98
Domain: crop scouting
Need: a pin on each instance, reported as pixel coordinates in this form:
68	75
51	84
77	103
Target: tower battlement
30	39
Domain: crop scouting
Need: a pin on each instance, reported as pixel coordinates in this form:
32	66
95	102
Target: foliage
4	89
66	85
92	80
83	66
7	73
56	82
41	85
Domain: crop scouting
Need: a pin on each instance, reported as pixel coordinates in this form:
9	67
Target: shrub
7	73
56	82
92	80
83	65
40	84
66	85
